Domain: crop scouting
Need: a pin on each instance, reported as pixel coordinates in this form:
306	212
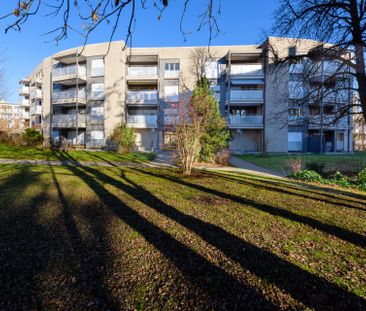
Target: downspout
77	97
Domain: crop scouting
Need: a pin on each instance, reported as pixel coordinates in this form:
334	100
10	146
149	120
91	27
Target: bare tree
340	22
83	17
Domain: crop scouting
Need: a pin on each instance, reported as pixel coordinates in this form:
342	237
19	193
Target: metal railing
68	120
142	96
136	71
37	93
69	71
36	110
250	69
256	120
68	94
142	119
236	95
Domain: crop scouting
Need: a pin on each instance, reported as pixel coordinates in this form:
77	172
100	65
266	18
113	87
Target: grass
123	238
278	162
32	153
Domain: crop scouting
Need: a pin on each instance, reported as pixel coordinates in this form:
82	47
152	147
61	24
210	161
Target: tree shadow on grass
319	196
300	284
22	258
217	288
341	233
88	262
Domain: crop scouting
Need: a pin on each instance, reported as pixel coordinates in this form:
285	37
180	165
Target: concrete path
247	167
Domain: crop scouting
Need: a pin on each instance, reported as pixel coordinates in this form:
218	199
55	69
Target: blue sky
241	22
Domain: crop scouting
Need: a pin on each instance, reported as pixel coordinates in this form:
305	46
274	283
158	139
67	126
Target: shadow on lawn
217	287
286	188
21	258
300	284
341	233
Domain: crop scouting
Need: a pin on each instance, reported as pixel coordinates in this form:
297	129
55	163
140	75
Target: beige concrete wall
146	139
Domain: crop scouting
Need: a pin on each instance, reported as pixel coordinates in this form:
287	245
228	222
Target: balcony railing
25	102
328	121
68	120
24	90
68	96
36	110
142	96
171	74
239	95
69	71
249	70
246	121
297	68
25	115
141	71
143	120
36	93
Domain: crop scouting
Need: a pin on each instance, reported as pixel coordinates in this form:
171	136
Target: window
292	51
171	93
294	141
171	70
97	135
211	70
97	68
97	114
97	91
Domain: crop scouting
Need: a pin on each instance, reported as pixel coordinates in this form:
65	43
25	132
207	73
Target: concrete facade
85	92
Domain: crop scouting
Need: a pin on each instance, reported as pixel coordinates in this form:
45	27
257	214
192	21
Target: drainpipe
77	97
321	110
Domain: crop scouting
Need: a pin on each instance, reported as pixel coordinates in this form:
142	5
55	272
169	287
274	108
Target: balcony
171	74
36	110
25	115
247	70
142	97
238	121
238	96
36	93
68	74
328	122
315	71
69	96
25	102
142	121
68	120
24	90
142	73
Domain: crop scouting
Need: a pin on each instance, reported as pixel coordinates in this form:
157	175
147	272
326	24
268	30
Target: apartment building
11	117
81	94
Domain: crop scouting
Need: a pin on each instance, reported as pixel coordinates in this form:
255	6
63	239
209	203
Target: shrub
307	175
121	140
293	165
32	137
223	157
361	177
318	167
339	179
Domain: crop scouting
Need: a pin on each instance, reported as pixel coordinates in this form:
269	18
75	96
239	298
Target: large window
97	68
97	91
171	93
97	114
295	141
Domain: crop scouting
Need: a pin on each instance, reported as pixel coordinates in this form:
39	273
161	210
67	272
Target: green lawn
84	238
278	162
30	153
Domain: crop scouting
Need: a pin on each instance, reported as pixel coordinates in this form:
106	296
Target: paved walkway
163	159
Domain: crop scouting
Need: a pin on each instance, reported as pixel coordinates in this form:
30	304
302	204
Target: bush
318	167
32	137
223	157
339	179
361	177
293	166
121	140
306	175
350	167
